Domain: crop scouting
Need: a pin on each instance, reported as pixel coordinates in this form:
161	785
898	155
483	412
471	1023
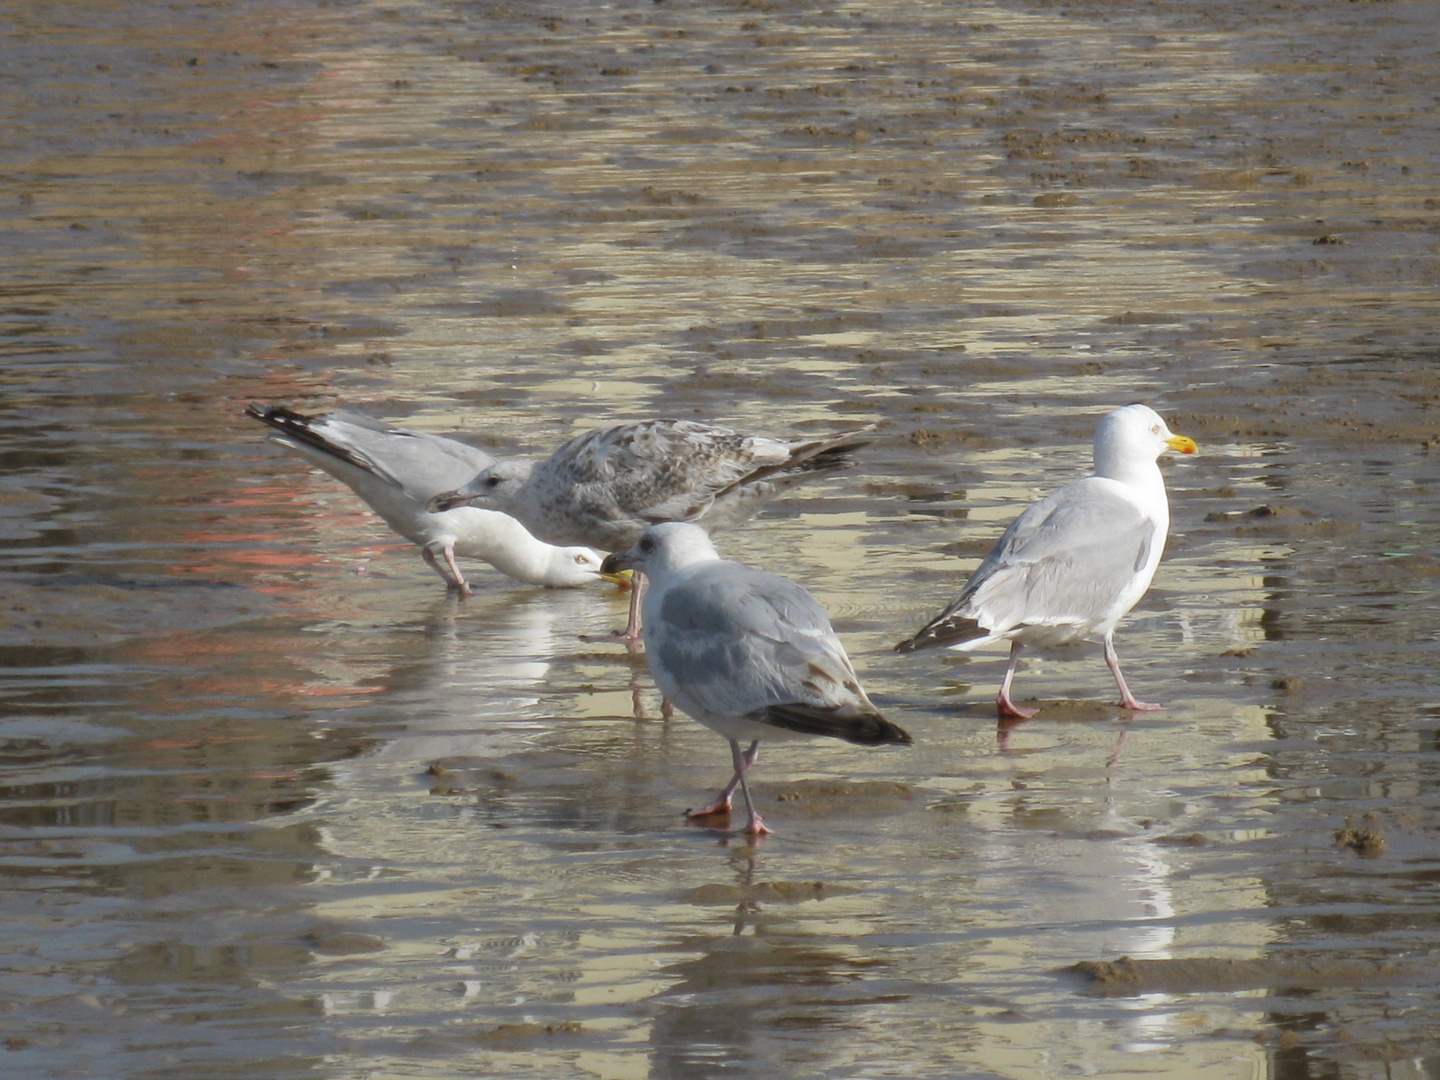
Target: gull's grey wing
739	642
421	464
1066	559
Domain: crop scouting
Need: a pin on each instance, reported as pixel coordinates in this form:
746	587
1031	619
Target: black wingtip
277	416
867	728
943	632
300	428
875	730
924	640
897	735
831	459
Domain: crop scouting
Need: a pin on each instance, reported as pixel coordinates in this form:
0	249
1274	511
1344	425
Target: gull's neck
509	547
1137	472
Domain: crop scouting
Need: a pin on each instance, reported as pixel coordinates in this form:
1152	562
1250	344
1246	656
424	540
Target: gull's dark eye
492	481
647	544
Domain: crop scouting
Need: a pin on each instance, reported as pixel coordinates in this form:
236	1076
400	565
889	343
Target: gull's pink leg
632	626
1127	699
453	580
430	561
721	805
461	584
755	826
1008	709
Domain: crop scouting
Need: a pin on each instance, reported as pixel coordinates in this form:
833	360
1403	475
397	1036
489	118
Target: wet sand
275	806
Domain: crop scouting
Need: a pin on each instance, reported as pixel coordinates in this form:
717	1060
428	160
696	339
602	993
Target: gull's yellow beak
623	579
1183	443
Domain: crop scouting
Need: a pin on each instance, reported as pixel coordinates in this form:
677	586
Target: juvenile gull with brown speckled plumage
604	488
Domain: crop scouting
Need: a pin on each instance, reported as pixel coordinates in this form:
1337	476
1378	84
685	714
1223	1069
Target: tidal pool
275	806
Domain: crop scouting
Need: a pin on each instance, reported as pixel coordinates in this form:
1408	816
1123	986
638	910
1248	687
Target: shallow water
274	806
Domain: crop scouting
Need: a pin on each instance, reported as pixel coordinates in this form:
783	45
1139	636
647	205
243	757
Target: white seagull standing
398	471
750	655
607	486
1072	565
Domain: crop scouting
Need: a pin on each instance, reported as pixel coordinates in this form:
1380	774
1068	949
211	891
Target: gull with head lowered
397	472
1072	565
749	654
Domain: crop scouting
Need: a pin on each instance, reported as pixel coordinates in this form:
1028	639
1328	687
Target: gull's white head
1132	438
662	549
573	566
502	479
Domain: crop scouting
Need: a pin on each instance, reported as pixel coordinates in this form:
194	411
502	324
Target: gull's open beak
1183	443
623	578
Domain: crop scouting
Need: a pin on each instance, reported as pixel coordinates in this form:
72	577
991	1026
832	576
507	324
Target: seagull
397	471
605	487
751	655
1072	565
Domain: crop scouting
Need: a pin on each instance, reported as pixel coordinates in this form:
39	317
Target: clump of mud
822	798
1362	834
1210	974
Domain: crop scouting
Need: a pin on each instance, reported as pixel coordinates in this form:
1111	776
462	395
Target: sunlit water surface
274	806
